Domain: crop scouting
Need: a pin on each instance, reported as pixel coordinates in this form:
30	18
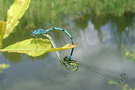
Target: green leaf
34	47
130	55
2	31
67	46
4	66
15	13
111	82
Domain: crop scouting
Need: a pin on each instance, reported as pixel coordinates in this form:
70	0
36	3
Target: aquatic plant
122	86
129	53
4	66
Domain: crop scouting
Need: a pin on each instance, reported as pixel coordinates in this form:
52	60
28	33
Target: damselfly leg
37	34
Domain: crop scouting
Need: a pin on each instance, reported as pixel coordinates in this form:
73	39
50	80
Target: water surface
100	56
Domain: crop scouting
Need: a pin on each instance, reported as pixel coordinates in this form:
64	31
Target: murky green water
100	55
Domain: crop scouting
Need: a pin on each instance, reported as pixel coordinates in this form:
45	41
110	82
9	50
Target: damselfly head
67	58
70	64
37	32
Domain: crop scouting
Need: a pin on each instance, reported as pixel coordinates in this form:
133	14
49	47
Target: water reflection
108	37
3	81
120	28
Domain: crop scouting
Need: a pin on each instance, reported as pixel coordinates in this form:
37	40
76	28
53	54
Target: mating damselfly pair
67	61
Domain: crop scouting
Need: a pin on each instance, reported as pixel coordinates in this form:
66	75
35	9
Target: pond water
100	55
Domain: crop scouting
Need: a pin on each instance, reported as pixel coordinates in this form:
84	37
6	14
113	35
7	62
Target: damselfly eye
32	33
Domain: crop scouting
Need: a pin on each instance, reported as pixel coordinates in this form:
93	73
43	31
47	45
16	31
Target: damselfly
68	59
